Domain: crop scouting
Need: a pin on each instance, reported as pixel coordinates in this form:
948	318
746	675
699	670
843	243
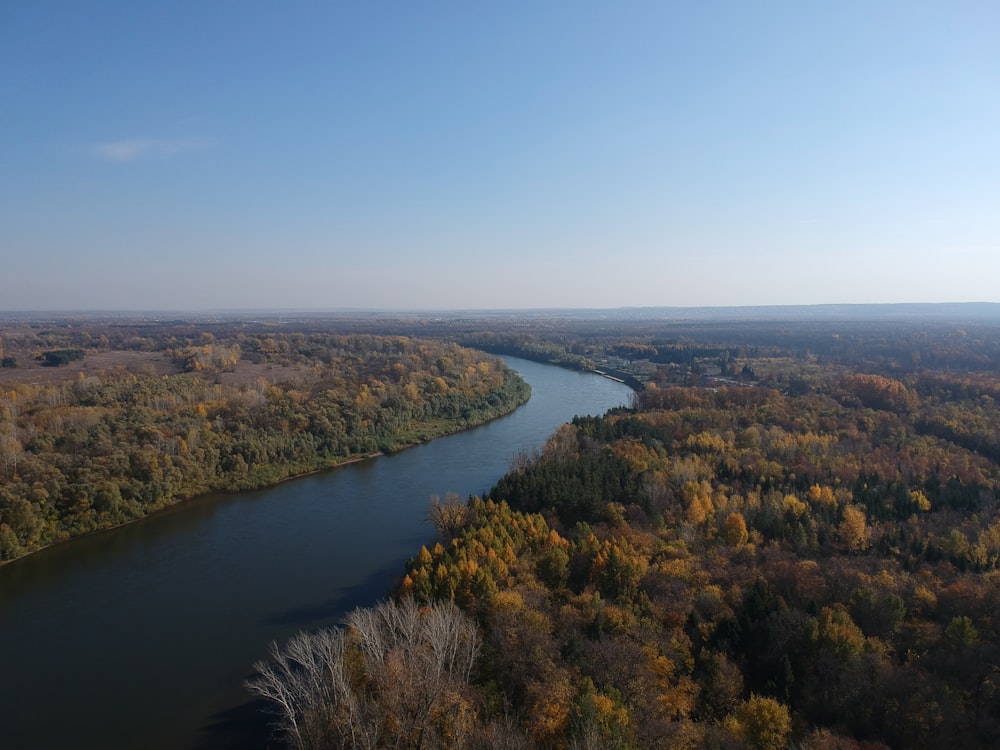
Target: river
142	636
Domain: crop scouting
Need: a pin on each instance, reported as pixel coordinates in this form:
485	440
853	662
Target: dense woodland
791	540
774	548
87	449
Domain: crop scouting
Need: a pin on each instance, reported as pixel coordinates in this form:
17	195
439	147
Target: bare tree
11	451
522	460
395	677
503	734
290	679
452	640
449	515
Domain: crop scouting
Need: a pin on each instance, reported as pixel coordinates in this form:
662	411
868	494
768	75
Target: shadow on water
249	725
332	611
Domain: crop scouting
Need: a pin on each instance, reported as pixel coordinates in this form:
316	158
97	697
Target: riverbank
552	355
271	475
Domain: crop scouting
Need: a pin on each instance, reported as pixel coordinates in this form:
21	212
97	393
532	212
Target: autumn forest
791	538
180	412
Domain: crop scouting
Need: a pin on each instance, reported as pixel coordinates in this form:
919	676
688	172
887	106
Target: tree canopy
102	447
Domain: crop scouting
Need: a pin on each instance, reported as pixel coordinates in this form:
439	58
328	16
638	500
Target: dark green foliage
576	489
61	357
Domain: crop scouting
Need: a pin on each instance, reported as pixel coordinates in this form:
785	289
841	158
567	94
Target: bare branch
396	677
449	515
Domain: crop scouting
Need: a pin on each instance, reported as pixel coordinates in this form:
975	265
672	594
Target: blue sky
401	155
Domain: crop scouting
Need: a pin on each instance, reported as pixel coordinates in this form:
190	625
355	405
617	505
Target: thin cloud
134	149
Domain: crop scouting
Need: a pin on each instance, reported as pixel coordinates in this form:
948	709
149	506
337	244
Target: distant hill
938	311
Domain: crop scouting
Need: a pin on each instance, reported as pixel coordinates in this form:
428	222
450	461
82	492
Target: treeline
102	449
546	347
737	568
889	342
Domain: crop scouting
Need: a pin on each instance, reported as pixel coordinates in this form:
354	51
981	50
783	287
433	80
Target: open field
140	363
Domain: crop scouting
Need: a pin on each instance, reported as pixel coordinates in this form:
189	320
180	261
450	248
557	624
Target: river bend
142	636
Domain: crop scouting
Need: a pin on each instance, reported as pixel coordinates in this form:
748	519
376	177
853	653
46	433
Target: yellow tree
735	532
760	723
853	530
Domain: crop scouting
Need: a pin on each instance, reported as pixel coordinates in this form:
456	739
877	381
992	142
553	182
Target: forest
103	424
791	540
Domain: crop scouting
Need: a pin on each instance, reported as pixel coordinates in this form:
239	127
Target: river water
141	637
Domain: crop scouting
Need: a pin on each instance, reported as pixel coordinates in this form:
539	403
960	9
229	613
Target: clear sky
192	155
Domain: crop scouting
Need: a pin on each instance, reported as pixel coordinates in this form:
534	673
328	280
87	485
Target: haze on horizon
259	155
